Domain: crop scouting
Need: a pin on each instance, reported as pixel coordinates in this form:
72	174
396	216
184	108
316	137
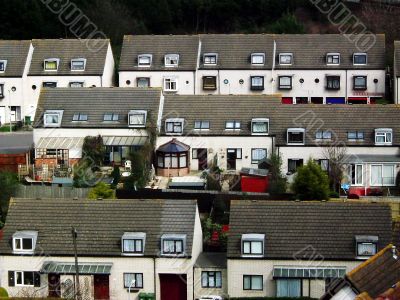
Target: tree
278	181
336	155
311	182
101	190
286	24
93	150
8	186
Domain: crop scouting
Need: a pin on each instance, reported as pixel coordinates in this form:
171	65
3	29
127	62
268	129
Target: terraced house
125	247
15	59
282	249
65	116
307	68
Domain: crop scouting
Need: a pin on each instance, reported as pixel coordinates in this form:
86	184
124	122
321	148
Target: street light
130	287
13	89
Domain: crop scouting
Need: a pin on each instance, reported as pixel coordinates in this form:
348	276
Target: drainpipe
346	86
219	83
155	277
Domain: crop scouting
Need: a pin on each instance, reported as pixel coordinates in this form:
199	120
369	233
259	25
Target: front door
173	287
101	287
54	285
202	158
231	159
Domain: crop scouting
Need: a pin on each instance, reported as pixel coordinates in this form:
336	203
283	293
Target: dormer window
78	64
51	64
111	117
174	126
145	60
133	243
52	118
359	59
171	60
253	245
366	246
3	66
285	58
24	242
210	58
333	59
258	59
232	125
296	136
79	117
173	244
383	136
260	126
137	118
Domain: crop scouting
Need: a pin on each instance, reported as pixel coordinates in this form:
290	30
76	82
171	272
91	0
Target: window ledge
132	254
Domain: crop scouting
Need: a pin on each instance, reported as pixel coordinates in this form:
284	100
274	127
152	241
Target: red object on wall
287	100
254	184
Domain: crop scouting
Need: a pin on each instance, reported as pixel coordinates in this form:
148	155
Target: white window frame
379	132
253	238
350	174
359	54
137	112
170	81
57	60
175	121
283	63
260	120
301	130
4	65
23	278
74	60
140	56
210	55
169	57
21	235
382	178
257	55
332	63
59	114
366	240
82	84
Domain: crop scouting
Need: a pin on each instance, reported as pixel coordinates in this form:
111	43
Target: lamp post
130	287
13	89
78	295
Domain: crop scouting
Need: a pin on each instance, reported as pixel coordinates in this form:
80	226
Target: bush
101	190
334	194
278	182
311	182
116	175
8	185
3	293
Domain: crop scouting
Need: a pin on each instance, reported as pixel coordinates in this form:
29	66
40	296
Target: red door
101	287
173	287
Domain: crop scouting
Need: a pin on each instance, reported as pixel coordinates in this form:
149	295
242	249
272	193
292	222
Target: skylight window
3	66
51	64
111	117
80	117
78	64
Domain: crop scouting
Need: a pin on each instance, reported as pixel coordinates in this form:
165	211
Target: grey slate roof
211	260
340	119
309	50
65	50
300	230
100	224
95	102
159	45
16	54
397	58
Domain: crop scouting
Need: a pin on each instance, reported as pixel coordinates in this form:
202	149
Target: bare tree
336	154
